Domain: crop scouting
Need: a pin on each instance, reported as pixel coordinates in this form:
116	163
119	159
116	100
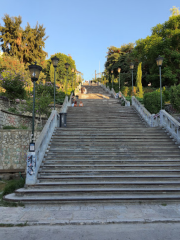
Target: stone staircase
106	153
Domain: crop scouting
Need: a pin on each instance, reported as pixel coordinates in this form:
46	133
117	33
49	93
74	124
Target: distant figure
75	104
80	104
85	90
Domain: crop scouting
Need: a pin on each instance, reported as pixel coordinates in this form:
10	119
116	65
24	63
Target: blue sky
84	29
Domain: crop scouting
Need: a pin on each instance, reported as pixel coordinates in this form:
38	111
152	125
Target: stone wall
14	145
18	120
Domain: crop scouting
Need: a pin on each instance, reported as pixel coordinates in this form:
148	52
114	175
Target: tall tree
27	45
51	73
139	81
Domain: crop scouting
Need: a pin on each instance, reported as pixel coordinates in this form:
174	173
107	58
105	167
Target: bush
174	95
13	110
152	102
14	86
13	185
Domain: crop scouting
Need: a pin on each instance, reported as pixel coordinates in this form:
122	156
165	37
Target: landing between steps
82	213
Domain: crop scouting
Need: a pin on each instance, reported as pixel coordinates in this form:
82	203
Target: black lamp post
119	70
34	72
112	77
103	74
55	61
159	61
132	67
72	79
67	66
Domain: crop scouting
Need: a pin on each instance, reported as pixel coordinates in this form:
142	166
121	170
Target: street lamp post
132	67
159	61
34	72
55	61
103	75
119	70
67	66
112	77
72	78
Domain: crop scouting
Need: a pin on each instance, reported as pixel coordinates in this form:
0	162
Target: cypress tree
139	81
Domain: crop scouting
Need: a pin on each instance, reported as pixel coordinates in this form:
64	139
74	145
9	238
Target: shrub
14	85
9	127
152	102
174	96
125	91
13	185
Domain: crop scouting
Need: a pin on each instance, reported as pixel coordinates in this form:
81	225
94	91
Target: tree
139	81
27	45
175	11
14	85
51	73
61	72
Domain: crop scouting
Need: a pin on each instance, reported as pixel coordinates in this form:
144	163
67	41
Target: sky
85	29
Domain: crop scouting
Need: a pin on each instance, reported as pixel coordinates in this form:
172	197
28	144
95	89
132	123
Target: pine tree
27	45
139	81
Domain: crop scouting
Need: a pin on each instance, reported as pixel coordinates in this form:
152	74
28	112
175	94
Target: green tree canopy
25	44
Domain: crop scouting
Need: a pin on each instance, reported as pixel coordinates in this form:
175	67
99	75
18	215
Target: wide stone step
123	184
141	157
129	164
86	197
99	189
110	167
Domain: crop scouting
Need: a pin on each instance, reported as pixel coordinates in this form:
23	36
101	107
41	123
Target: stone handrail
66	104
113	93
127	103
170	124
162	119
34	159
145	114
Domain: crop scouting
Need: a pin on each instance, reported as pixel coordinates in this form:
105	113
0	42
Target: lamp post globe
119	70
132	67
34	72
55	61
159	62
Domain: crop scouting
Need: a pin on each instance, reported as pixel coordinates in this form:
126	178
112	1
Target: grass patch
9	127
164	204
13	225
7	187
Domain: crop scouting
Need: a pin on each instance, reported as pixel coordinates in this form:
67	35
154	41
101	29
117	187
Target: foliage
174	96
51	73
63	76
13	110
139	81
152	101
25	44
13	84
13	185
9	127
163	41
119	57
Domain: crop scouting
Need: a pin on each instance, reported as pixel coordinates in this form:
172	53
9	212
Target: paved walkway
91	214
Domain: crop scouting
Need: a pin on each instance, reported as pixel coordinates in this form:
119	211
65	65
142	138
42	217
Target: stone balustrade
144	113
34	159
170	124
161	119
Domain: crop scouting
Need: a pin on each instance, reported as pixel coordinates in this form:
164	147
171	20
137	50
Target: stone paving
79	214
